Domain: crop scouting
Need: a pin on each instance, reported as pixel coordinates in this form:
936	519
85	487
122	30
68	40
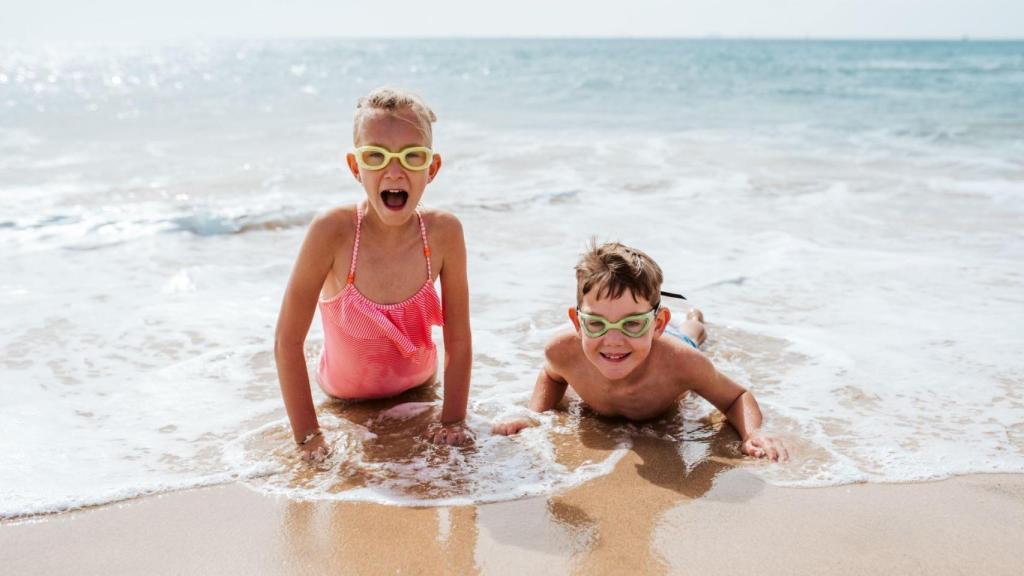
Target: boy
619	361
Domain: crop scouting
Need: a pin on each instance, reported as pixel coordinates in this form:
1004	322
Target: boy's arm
739	406
297	308
547	393
458	342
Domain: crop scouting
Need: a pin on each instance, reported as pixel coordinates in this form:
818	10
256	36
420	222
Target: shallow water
848	215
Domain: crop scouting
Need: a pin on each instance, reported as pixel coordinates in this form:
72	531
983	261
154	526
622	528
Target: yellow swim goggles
415	158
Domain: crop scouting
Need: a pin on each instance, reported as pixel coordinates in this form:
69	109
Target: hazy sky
146	19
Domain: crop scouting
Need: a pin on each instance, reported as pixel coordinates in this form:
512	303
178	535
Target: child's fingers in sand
759	448
776	450
783	453
316	450
510	427
765	447
456	434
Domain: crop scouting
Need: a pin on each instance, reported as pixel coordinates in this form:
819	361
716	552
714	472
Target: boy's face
393	191
615	354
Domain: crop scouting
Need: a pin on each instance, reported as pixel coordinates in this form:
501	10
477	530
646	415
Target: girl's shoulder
337	221
443	226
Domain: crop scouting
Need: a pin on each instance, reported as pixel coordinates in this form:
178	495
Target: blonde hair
393	100
613	268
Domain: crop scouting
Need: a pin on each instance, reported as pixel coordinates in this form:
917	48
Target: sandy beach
641	519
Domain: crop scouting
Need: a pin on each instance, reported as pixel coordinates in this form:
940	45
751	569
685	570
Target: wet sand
643	518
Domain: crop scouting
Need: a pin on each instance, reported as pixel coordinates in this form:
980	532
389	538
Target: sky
140	20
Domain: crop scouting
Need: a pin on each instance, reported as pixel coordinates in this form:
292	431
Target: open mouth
615	357
394	199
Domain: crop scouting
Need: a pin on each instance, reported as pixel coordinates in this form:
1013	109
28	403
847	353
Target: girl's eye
416	158
373	158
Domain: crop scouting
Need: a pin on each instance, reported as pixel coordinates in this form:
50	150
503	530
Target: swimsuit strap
426	246
355	246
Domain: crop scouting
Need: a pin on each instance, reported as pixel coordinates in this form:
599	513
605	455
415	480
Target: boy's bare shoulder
563	349
681	360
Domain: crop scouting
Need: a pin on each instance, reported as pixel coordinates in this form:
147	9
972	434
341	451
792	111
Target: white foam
18	505
496	468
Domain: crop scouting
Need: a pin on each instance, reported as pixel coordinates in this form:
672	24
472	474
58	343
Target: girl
371	268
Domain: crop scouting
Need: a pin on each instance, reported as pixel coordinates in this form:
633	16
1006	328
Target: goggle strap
673	295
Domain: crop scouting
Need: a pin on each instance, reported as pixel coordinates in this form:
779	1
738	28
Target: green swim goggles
634	326
415	158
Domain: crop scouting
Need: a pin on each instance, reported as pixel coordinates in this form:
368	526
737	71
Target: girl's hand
510	427
316	450
765	447
453	434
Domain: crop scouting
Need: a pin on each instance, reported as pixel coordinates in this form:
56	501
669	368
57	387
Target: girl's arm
315	260
458	342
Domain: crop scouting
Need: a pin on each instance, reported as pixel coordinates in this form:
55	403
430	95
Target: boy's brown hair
613	268
394	100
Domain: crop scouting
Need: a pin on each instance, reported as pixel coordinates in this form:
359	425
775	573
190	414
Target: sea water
848	215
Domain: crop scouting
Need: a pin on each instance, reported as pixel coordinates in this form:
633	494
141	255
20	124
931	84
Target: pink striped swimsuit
375	350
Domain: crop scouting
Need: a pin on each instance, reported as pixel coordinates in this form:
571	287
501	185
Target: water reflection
361	538
392	453
672	461
606	525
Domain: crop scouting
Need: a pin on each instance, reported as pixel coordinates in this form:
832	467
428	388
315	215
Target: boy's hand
453	434
510	427
316	450
765	447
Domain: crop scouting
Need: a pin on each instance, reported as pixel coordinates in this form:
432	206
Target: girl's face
393	192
